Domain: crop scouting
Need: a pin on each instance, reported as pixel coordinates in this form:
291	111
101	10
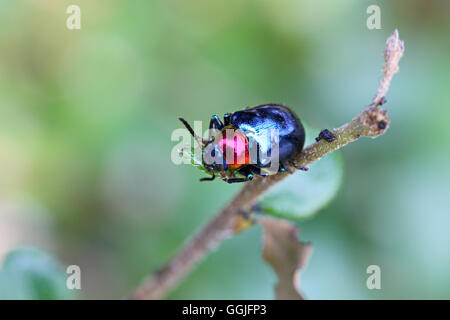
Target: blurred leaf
29	273
286	255
303	194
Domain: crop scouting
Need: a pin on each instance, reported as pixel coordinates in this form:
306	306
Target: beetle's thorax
229	150
233	145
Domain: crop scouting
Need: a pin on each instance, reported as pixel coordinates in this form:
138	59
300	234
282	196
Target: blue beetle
248	129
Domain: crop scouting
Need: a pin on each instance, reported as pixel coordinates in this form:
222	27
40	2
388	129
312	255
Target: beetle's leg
251	171
286	167
237	180
258	171
299	167
226	119
246	171
209	178
282	168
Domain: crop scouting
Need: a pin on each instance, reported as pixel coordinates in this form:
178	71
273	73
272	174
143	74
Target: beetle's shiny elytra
245	128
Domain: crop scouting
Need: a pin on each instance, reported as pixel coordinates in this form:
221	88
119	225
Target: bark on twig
371	122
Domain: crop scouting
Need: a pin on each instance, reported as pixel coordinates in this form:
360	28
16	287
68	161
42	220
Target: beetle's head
228	150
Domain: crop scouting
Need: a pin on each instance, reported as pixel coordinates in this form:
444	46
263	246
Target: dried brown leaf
286	255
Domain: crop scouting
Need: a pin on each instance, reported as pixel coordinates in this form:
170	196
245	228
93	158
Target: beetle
247	128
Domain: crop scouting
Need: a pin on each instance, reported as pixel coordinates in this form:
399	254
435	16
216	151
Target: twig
371	122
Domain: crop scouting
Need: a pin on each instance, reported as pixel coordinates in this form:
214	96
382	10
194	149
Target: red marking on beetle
235	146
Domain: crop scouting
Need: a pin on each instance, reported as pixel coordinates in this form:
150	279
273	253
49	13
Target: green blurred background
86	118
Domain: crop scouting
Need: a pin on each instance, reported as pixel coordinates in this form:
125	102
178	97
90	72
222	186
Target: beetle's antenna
191	131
